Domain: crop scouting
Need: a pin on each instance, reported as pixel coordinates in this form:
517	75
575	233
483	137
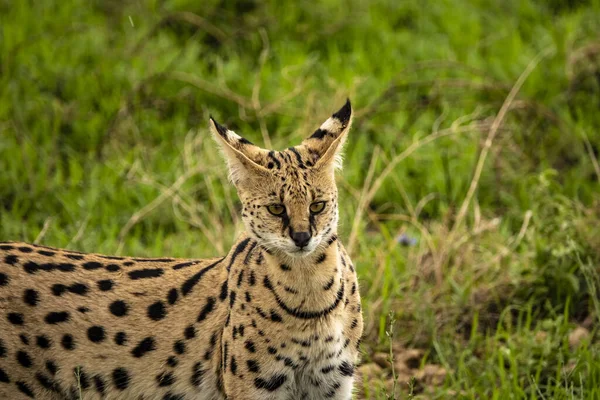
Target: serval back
278	317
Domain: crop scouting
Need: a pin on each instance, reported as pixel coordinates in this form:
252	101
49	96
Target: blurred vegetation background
470	195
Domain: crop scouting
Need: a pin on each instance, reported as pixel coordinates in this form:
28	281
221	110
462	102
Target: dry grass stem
42	233
148	208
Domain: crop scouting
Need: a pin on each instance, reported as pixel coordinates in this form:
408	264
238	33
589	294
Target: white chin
299	253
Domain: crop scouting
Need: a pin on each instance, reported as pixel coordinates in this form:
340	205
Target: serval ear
325	144
241	155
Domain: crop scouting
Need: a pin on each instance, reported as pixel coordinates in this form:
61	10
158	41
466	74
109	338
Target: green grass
104	147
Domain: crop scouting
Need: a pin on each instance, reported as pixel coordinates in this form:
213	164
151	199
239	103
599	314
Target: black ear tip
344	113
220	128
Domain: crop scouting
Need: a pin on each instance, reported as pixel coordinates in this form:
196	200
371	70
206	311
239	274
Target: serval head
289	197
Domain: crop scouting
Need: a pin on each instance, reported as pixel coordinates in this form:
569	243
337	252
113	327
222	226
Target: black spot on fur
121	338
275	160
67	342
165	379
25	249
241	246
4	279
58	289
120	378
223	294
78	288
51	367
171	396
346	369
189	284
179	347
172	361
240	278
43	342
24	359
275	317
118	308
100	385
331	240
23	387
197	374
288	362
303	343
96	334
327	369
24	339
46	253
113	268
321	258
6	247
105	285
65	267
329	284
207	309
271	384
285	267
30	267
298	157
253	366
4	376
92	265
267	283
12	260
31	297
290	290
172	296
184	265
190	332
231	298
74	256
15	318
146	345
157	311
319	134
250	346
47	382
146	273
233	365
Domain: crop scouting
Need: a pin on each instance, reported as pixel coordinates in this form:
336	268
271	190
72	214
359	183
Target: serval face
289	197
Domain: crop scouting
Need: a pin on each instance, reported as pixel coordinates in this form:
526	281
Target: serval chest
294	329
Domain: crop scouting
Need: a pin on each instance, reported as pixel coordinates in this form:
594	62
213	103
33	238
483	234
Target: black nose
301	239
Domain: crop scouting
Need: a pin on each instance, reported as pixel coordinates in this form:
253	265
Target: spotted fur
278	317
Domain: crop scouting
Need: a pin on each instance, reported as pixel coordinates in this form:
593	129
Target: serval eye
276	209
317	207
